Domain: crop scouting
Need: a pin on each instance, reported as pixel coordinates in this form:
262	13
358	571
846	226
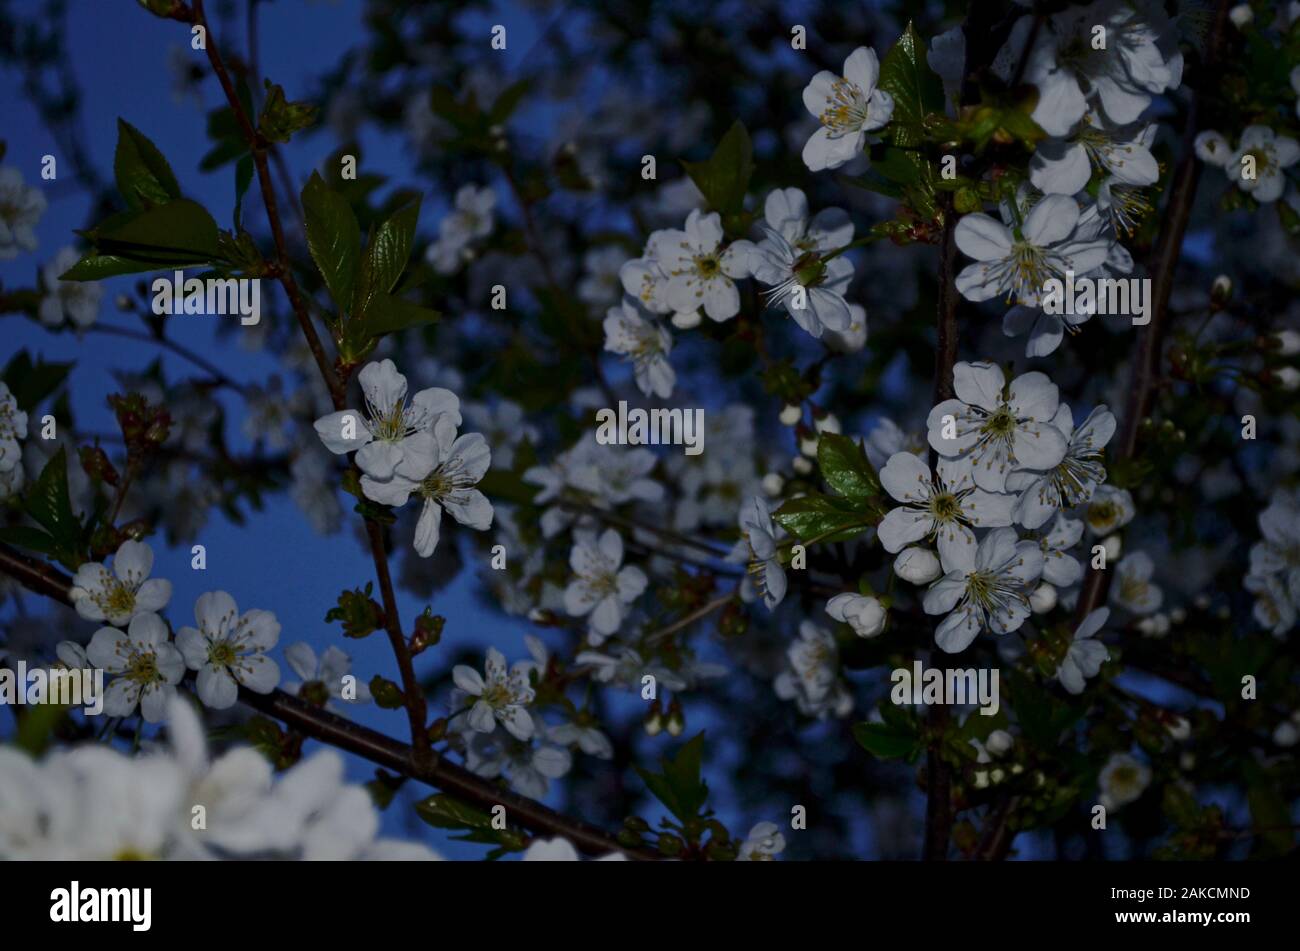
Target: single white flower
1110	509
499	696
73	302
1015	261
603	588
442	470
636	333
943	506
228	649
20	208
848	107
389	426
763	844
809	286
323	676
812	679
123	594
700	270
1271	154
1085	655
995	428
987	589
147	666
1064	166
1122	780
1212	148
1132	587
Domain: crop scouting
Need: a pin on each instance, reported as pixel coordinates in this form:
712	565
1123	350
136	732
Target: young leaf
679	787
333	239
886	741
388	314
845	467
30	383
820	516
724	177
243	178
143	176
178	233
386	257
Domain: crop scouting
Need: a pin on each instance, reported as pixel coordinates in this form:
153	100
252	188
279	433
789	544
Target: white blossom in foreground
1071	481
996	428
1014	261
1086	654
987	589
442	470
497	696
866	615
20	208
1122	780
124	593
635	333
147	667
603	587
389	426
848	107
763	844
943	506
228	649
1064	166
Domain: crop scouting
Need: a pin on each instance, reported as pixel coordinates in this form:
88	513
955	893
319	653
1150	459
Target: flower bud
773	484
801	466
808	446
999	742
1286	734
791	414
1241	15
864	614
1043	599
687	319
1180	728
1286	377
1114	547
827	424
1221	290
917	565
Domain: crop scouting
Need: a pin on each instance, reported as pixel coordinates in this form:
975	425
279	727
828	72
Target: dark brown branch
368	744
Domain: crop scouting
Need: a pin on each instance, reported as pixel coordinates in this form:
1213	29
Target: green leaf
357	611
243	178
280	119
31	383
33	539
333	238
679	786
822	517
845	467
443	812
887	741
177	233
48	503
143	176
724	177
387	314
916	89
508	101
94	266
386	257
